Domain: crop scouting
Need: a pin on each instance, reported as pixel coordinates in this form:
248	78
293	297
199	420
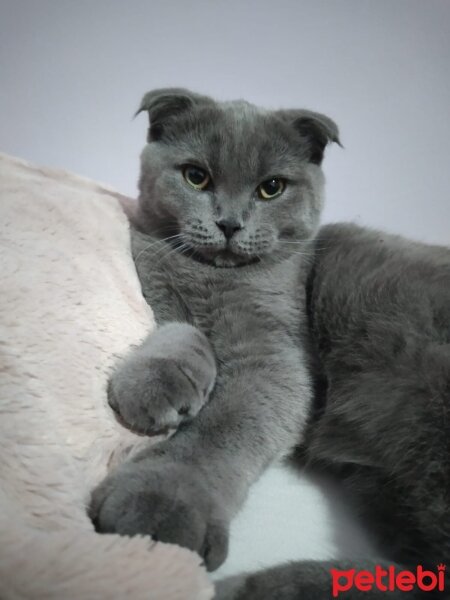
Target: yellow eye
271	188
197	177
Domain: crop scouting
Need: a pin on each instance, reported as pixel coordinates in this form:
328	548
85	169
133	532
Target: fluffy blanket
70	304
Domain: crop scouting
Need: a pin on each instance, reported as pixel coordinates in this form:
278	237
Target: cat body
254	319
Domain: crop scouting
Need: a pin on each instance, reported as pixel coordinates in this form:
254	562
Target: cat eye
196	177
271	188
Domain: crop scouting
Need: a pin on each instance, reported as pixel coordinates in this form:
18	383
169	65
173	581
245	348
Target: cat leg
186	489
165	381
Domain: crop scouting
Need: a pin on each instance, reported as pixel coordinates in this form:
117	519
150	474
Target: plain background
72	73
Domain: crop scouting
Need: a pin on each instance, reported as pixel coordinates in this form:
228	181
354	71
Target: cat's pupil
196	176
272	186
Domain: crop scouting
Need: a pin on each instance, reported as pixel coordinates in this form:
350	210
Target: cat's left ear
315	129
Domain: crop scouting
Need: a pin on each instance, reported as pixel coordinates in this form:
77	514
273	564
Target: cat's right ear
166	103
315	130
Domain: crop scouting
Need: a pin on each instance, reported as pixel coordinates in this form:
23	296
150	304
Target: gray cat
226	248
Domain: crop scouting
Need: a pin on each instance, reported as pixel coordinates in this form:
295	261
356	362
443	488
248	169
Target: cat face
230	183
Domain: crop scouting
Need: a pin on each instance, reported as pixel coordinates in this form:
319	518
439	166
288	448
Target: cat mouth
225	259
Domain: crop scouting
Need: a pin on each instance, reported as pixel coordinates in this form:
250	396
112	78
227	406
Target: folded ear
315	129
165	103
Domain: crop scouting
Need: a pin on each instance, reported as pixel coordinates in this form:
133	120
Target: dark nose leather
228	227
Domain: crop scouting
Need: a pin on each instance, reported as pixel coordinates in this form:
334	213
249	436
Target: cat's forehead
241	123
241	111
237	137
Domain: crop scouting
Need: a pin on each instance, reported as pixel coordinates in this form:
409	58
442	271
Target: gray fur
380	317
252	312
233	314
166	381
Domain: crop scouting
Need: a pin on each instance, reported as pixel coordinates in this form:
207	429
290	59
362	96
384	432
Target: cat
245	295
230	199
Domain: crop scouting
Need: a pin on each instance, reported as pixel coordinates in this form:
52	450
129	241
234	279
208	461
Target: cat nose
228	227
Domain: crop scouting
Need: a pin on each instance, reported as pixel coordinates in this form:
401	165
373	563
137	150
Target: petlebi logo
387	580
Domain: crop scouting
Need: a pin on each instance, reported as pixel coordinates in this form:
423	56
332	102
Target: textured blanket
70	305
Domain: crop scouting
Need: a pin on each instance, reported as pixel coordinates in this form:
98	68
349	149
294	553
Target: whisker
311	247
149	246
170	245
299	242
188	247
171	251
301	254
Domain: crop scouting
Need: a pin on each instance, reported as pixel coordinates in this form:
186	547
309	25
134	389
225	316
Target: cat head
230	183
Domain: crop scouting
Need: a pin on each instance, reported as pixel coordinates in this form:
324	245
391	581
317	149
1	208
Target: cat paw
167	502
164	382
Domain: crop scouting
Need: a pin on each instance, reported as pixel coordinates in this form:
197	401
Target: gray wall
72	73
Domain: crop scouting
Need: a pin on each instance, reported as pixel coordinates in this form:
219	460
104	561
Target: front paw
168	502
164	382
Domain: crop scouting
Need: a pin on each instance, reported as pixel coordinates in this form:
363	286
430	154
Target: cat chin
223	262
